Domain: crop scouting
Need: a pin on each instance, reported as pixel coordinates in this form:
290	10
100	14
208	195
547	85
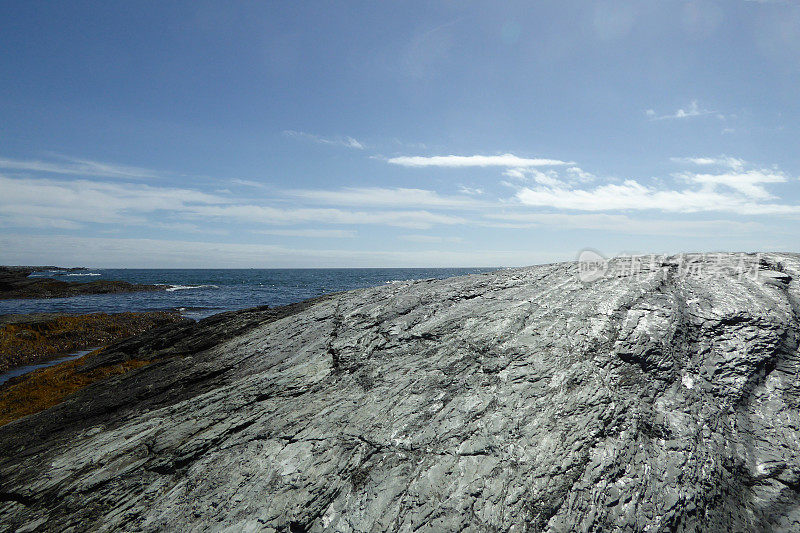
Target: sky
395	134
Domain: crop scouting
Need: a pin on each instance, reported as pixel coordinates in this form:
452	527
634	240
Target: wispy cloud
693	110
384	197
313	233
79	167
249	183
82	201
347	142
472	191
623	224
461	161
721	161
28	202
429	238
548	177
259	214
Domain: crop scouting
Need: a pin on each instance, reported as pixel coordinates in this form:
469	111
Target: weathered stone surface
520	400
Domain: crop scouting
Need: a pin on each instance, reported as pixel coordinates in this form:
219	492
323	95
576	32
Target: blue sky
282	134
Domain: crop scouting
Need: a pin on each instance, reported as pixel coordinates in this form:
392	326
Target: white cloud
80	167
693	110
624	224
549	177
285	216
83	201
460	161
472	191
721	161
67	203
747	183
314	233
632	195
249	183
429	238
348	142
28	221
385	197
580	174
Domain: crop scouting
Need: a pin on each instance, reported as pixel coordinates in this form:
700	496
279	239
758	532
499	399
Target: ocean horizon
200	292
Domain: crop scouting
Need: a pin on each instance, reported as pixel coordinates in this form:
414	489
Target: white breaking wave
86	274
187	287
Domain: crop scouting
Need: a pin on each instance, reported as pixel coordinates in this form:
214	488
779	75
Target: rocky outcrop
655	399
33	338
15	283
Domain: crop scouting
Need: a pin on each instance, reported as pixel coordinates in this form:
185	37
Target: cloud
580	174
472	191
429	238
624	224
314	233
385	197
459	161
745	198
722	161
71	204
347	142
249	183
692	111
549	177
80	167
83	201
747	183
283	216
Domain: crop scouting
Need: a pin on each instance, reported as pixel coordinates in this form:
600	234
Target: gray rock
521	400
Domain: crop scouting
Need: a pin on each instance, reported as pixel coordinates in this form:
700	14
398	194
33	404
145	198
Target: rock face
521	400
15	283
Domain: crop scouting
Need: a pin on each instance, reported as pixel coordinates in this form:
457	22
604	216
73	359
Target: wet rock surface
15	283
33	338
520	400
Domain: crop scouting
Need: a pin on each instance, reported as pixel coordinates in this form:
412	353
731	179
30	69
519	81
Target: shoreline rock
15	284
518	400
34	338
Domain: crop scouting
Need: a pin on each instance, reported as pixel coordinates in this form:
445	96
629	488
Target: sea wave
172	288
85	274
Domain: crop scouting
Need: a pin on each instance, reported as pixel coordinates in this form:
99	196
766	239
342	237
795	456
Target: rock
15	283
521	400
32	338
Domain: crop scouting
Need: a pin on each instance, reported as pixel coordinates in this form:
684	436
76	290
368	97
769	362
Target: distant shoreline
16	283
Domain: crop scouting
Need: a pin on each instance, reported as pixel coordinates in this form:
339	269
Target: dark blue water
203	292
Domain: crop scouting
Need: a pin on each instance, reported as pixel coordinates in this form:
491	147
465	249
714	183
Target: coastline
27	340
164	335
34	338
16	283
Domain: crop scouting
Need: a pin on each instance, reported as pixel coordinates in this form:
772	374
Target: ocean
198	293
